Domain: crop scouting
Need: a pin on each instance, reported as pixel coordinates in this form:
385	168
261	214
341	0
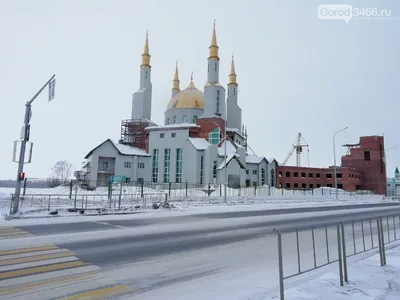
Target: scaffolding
133	132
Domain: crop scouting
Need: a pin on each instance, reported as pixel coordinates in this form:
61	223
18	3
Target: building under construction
133	133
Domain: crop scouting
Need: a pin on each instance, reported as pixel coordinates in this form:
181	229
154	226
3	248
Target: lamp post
334	159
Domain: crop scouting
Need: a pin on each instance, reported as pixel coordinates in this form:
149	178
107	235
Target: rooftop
173	126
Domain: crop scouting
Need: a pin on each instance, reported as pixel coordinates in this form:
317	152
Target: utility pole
26	130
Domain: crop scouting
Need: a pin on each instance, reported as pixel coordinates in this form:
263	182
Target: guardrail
340	238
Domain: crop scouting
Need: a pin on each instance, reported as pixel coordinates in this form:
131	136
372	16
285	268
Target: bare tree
61	170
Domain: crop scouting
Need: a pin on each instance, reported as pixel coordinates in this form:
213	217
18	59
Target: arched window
194	118
214	136
262	176
167	121
174	120
184	119
272	177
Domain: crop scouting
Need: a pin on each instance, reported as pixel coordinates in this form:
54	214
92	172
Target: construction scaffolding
133	132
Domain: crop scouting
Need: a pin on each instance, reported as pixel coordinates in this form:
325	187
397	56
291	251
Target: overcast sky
296	72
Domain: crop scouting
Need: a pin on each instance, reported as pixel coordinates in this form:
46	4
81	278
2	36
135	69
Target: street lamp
334	159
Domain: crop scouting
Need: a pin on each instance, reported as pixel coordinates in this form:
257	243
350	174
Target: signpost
25	138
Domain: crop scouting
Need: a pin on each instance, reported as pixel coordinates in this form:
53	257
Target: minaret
141	100
214	93
175	82
234	112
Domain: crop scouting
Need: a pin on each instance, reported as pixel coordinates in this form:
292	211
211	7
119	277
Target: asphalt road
184	262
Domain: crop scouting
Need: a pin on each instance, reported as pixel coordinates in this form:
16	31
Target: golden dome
190	97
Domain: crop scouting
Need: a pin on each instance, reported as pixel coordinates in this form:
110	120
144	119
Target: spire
396	172
232	74
214	47
146	54
175	81
191	84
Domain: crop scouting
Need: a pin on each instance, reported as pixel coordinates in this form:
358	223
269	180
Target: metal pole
225	169
379	241
298	251
344	254
21	161
383	242
280	258
340	261
334	159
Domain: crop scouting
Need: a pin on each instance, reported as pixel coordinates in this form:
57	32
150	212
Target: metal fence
324	243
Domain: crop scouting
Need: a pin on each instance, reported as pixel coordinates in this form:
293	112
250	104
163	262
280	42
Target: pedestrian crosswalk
12	232
50	272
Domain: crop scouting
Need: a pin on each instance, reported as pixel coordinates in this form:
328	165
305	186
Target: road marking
12	232
25	250
34	258
35	285
13	282
38	263
12	256
100	294
42	269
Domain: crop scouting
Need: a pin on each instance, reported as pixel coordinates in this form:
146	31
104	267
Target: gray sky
296	73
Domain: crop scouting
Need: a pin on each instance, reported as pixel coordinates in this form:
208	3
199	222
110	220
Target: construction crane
297	146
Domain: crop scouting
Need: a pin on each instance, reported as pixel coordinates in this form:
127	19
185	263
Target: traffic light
21	176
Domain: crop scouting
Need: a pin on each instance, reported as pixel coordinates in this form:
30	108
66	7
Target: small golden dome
190	97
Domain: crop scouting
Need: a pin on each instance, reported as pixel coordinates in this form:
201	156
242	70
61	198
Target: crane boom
297	146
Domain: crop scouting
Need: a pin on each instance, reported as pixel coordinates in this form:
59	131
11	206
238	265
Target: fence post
220	190
339	255
141	188
169	189
280	258
48	207
269	191
186	188
383	243
378	224
119	196
86	202
70	189
23	192
298	250
346	279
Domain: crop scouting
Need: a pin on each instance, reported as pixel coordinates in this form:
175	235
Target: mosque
202	141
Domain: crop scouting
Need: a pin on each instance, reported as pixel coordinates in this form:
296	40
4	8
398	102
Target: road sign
118	178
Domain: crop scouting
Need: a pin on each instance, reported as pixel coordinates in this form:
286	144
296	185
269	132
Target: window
105	165
167	161
214	136
349	175
247	172
184	119
254	183
329	176
340	186
287	174
303	186
295	174
295	185
303	174
254	172
318	175
272	177
215	169
311	175
174	120
127	179
287	185
367	155
318	185
162	135
329	185
263	176
280	173
215	67
178	165
201	169
311	186
140	165
194	119
339	175
173	134
127	164
167	121
140	180
155	165
217	103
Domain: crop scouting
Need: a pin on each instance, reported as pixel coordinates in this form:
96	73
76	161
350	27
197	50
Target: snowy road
200	256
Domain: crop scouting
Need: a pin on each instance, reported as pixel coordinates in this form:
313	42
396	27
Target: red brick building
362	168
